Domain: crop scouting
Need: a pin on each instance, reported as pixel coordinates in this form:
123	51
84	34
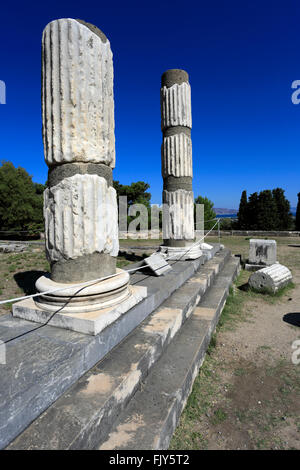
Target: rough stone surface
176	106
176	154
83	268
207	250
173	183
171	76
58	173
77	95
180	223
12	248
262	252
271	278
157	264
81	218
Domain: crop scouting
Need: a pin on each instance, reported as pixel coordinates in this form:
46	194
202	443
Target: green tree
21	200
136	193
298	214
209	213
267	216
284	216
252	211
243	212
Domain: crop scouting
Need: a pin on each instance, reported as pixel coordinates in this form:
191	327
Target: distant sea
234	216
226	216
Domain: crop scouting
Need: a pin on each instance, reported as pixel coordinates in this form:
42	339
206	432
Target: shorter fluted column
177	166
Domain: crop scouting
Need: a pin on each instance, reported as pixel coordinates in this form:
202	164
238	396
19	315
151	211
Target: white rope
94	281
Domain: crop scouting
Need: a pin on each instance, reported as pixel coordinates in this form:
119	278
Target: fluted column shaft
176	157
80	207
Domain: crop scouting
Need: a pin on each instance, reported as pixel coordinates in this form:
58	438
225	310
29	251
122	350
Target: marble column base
181	253
84	309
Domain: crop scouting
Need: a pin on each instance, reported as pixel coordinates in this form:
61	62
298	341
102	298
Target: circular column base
95	296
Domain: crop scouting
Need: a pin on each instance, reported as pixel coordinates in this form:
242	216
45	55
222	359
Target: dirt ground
247	394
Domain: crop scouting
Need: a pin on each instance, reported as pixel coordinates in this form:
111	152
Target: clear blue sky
241	57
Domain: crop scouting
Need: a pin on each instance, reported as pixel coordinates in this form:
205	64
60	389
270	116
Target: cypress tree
267	217
243	212
252	212
284	216
298	214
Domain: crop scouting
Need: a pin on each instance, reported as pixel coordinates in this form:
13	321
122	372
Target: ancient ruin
135	348
261	253
271	279
80	206
177	166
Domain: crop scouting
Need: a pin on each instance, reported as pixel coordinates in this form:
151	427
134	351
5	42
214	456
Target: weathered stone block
176	154
77	94
81	218
180	223
262	252
176	107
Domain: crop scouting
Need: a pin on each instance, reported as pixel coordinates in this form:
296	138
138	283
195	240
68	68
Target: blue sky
242	58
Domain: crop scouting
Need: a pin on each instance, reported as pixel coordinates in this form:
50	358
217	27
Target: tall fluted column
80	206
177	168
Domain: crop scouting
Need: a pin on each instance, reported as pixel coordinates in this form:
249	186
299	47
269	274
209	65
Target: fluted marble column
78	132
80	204
177	168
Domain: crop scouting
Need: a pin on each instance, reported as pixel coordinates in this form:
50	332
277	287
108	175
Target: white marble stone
176	106
176	155
181	253
81	218
272	278
207	250
262	252
77	95
88	322
45	284
180	223
158	264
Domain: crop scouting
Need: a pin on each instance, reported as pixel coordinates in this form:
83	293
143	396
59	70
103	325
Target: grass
219	416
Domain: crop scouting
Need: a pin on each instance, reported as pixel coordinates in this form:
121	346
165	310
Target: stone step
84	414
43	361
152	415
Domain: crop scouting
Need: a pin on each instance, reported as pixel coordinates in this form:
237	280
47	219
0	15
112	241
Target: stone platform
91	322
85	416
43	361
